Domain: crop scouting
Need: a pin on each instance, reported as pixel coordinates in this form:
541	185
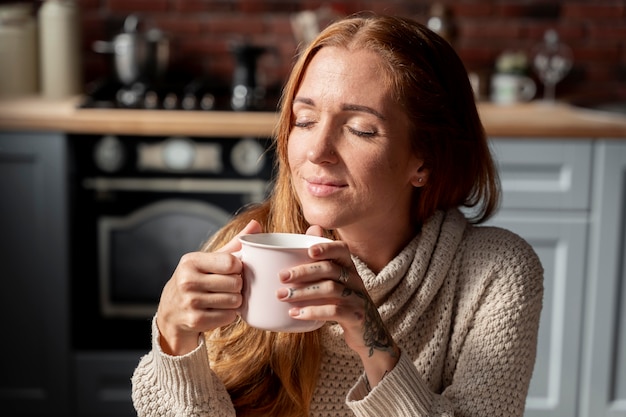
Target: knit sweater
461	301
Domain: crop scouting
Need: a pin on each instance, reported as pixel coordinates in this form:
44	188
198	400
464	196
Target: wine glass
552	62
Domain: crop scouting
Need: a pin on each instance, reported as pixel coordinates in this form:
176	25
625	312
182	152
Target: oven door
139	252
129	235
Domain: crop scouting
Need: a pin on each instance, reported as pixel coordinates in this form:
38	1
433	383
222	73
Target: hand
203	294
330	289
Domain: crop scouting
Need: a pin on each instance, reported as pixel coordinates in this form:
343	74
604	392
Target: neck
377	246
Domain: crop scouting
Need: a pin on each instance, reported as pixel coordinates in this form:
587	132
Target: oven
137	205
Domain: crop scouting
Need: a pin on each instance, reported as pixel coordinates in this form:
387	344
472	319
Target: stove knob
248	157
109	154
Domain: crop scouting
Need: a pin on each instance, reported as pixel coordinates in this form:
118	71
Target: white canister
59	49
512	88
18	50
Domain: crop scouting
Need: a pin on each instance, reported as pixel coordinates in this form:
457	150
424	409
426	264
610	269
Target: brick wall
202	30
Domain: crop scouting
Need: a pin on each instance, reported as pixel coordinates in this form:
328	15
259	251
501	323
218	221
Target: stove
176	93
196	94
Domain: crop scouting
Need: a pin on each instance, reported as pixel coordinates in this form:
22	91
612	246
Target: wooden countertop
529	120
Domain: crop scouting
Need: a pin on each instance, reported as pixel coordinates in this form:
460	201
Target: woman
378	145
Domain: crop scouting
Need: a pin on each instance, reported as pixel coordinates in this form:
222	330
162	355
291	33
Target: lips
322	187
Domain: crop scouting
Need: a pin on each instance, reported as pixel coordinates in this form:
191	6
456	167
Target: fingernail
282	293
284	275
295	312
315	250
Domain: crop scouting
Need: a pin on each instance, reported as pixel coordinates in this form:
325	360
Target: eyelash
303	125
362	134
359	133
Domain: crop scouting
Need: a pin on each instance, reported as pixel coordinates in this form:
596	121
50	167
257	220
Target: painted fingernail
284	276
315	250
283	293
295	312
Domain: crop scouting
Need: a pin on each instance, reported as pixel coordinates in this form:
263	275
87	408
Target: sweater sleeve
164	385
402	393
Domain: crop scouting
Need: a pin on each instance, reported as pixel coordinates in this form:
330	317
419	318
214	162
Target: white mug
512	88
263	256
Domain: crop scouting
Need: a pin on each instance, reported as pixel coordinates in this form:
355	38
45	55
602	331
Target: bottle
18	50
441	22
59	49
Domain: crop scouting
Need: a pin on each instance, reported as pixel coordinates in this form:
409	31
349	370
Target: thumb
234	245
315	230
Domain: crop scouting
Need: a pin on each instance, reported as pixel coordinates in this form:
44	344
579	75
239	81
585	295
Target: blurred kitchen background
99	198
201	35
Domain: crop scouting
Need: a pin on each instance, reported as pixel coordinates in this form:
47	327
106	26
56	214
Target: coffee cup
263	256
512	88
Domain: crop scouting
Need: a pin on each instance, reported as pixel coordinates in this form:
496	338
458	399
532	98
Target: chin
326	220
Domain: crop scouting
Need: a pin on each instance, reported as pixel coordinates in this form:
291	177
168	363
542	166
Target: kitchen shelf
528	120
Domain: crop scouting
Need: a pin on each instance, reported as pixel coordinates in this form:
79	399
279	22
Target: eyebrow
345	107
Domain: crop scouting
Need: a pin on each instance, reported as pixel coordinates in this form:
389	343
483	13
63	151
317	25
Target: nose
323	145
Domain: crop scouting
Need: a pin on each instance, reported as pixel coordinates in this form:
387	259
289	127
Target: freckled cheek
296	158
294	154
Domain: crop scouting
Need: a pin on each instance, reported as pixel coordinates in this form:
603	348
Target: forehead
351	74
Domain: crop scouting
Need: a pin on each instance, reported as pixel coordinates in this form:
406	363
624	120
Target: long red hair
269	374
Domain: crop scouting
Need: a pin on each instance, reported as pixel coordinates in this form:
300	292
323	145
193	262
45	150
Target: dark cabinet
103	386
34	358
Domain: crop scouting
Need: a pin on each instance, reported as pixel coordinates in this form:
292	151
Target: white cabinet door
603	383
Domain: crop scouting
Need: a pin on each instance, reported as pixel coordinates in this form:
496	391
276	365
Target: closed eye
361	133
303	125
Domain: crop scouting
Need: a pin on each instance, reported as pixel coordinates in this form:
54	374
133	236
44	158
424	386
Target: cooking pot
137	56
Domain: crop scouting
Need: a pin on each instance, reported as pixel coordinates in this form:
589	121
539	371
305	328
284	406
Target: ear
420	177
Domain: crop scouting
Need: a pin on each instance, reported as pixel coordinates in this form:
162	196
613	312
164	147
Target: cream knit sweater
462	302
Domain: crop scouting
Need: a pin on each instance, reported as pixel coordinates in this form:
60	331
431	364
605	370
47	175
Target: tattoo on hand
375	336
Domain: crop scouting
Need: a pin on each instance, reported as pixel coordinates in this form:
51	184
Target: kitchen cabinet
603	376
34	361
567	199
103	385
546	188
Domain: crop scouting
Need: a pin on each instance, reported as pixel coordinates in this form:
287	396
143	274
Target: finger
315	230
337	252
324	291
216	301
234	245
338	269
216	283
348	314
310	272
194	265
